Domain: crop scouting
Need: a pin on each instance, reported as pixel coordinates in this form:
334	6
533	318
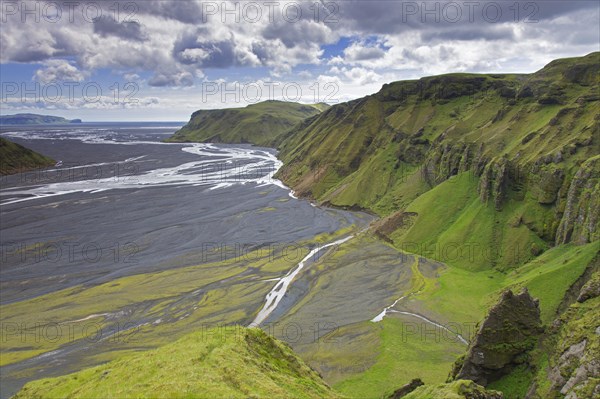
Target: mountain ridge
510	132
260	124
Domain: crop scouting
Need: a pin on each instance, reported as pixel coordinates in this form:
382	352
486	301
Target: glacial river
121	202
122	194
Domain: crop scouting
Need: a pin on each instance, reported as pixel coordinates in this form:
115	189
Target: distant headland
35	119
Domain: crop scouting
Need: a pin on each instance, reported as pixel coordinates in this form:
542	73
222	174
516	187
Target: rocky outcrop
494	182
580	222
503	339
545	182
590	290
385	227
406	389
585	369
574	358
445	161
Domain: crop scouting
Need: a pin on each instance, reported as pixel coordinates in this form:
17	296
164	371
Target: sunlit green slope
15	158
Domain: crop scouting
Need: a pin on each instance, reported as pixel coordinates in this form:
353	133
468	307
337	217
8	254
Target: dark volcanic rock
506	335
590	290
406	389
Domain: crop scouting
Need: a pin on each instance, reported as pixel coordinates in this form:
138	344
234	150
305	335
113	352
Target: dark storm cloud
554	8
128	30
186	11
261	51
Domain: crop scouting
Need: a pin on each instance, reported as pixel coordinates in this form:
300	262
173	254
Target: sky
108	60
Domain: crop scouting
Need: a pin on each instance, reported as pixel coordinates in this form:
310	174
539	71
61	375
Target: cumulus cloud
510	46
192	49
171	78
356	75
20	45
58	71
362	52
131	77
300	33
176	43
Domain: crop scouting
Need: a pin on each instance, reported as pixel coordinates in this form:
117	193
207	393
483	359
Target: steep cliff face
529	141
580	219
494	182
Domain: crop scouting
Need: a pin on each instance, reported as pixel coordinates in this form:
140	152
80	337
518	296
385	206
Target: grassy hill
259	124
15	158
222	363
34	119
